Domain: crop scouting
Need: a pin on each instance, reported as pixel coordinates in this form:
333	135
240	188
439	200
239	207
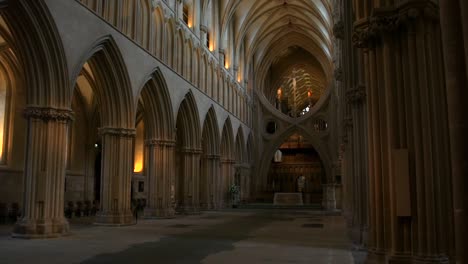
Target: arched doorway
297	168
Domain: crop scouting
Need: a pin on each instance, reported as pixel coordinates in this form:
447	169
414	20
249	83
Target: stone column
116	175
408	154
355	97
454	23
329	188
190	201
209	182
44	173
160	171
245	184
227	176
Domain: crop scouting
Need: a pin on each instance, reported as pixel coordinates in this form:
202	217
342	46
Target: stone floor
231	236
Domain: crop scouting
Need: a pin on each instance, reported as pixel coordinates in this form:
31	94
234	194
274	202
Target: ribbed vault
270	35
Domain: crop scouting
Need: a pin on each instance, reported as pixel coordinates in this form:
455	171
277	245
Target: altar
288	199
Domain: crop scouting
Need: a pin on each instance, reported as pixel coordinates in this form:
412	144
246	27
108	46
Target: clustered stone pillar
227	179
189	202
116	174
208	199
160	173
358	169
44	175
454	23
329	189
245	183
409	171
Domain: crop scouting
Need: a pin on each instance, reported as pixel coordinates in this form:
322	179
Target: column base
430	259
115	219
158	213
36	229
376	257
188	210
207	207
399	258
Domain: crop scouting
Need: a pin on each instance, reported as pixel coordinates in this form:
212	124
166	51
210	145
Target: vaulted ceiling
270	29
267	27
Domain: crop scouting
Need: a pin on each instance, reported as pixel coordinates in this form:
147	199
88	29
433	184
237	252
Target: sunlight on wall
139	147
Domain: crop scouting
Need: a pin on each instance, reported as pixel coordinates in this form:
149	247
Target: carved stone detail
47	114
390	20
191	151
160	142
121	132
203	28
338	30
356	95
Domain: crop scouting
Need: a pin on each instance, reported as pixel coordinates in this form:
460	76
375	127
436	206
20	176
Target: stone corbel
203	28
47	114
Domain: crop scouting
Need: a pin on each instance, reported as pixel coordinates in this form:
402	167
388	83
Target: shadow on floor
190	247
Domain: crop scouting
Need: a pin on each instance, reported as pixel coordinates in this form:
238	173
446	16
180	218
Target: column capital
388	20
47	114
228	161
121	132
160	142
213	157
191	151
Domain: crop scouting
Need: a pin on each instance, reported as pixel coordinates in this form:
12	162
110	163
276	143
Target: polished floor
231	236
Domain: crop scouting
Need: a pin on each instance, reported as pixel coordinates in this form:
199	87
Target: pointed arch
170	41
227	141
157	106
188	60
203	73
240	155
158	32
143	23
250	149
188	123
210	134
265	160
113	89
179	57
39	49
196	67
